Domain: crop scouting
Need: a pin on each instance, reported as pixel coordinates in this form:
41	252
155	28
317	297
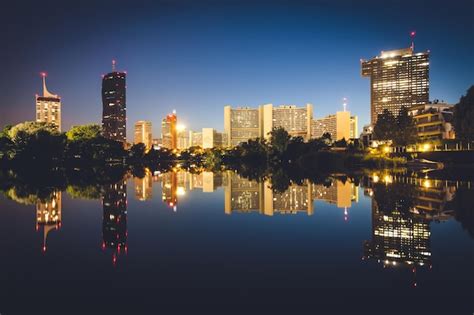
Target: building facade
169	133
433	121
48	107
241	124
143	134
295	120
340	125
397	78
114	116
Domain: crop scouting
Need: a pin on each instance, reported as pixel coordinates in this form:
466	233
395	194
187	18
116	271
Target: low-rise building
433	121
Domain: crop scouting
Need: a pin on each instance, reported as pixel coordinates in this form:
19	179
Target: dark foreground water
178	243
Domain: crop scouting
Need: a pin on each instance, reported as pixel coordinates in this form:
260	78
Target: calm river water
216	243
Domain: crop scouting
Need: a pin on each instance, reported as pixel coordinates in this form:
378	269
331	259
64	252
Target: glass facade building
114	116
397	78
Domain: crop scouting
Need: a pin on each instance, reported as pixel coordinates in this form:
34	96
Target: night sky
197	56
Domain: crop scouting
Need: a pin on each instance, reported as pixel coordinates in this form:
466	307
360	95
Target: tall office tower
241	124
169	134
114	221
338	126
143	134
295	120
48	106
48	215
397	78
114	116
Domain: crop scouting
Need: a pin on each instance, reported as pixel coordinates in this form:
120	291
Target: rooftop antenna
412	35
344	103
113	65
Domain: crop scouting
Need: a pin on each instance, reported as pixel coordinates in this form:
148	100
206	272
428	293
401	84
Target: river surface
216	243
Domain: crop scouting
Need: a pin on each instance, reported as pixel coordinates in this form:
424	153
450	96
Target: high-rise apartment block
143	134
48	107
340	125
295	120
114	117
397	78
241	124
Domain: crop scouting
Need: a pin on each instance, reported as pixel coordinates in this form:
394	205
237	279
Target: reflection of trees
463	209
394	197
30	187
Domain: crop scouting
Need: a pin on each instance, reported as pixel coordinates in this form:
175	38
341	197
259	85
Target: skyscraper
169	132
48	106
397	78
143	134
114	121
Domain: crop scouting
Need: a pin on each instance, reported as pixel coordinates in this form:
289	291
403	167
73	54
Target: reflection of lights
427	184
180	191
387	179
375	178
386	149
426	147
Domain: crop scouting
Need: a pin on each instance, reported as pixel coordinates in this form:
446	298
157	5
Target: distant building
295	120
143	134
48	107
354	127
340	125
433	121
397	78
114	117
211	138
241	124
367	135
183	139
195	139
169	134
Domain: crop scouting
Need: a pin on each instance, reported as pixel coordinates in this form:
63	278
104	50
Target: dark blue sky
197	56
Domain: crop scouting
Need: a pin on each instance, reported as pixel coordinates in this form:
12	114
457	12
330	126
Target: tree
279	140
464	116
28	128
406	129
84	132
386	126
137	151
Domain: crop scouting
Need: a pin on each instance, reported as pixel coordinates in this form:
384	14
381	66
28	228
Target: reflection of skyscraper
243	195
144	186
114	123
48	215
170	189
398	238
48	107
114	222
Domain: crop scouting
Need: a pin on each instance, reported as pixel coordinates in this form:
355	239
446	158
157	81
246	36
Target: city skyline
238	75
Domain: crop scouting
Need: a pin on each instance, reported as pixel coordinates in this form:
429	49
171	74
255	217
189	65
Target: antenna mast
412	35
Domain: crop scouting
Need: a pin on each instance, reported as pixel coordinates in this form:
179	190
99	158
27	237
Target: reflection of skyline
48	215
401	223
144	186
114	222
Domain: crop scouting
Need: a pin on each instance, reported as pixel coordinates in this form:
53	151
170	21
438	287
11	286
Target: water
217	243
